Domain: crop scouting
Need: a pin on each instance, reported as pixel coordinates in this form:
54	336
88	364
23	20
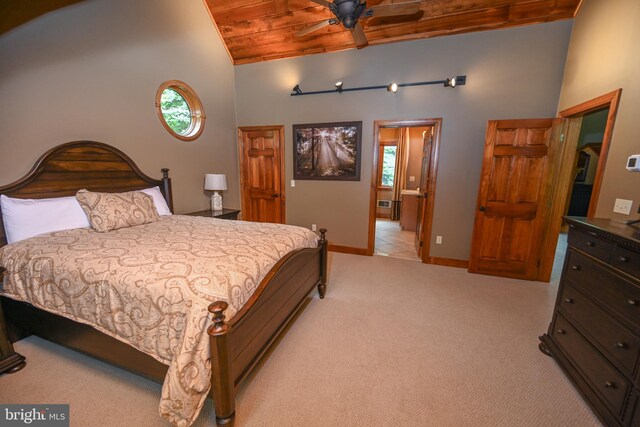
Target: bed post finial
323	235
222	375
165	172
219	326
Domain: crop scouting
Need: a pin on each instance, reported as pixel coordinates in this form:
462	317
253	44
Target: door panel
262	173
515	187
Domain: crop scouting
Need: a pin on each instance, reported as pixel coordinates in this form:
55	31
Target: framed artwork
327	151
582	166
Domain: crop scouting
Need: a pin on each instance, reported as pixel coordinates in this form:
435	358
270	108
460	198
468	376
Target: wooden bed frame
237	344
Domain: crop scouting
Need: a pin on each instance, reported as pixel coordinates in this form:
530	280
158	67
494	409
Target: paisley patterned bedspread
150	285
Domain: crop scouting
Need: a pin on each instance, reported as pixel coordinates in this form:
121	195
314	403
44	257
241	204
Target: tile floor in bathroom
394	242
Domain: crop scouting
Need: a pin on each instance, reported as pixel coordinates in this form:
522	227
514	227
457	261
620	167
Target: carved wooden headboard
67	168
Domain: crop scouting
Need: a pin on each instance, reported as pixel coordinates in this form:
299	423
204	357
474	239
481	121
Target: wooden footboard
238	345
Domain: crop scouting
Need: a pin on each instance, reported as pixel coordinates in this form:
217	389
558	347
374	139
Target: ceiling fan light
392	87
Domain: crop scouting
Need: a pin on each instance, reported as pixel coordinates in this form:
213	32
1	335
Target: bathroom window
386	165
180	110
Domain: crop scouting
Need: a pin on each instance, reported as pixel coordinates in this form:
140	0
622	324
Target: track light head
297	89
392	87
455	81
339	86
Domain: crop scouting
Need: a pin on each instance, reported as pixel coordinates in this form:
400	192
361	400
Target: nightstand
10	361
223	214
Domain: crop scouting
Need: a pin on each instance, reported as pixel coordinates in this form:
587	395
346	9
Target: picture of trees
329	151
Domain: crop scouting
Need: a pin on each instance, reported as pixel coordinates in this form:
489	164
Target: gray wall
91	71
513	73
603	56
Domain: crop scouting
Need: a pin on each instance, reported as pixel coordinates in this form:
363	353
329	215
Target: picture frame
327	151
582	166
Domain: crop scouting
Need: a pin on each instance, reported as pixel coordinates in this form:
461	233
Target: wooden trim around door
283	198
431	190
612	100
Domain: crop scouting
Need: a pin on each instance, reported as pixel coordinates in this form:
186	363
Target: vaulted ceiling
262	30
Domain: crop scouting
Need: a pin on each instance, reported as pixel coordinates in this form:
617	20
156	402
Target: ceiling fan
349	12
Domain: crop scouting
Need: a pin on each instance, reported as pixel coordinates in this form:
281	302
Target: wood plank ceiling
262	30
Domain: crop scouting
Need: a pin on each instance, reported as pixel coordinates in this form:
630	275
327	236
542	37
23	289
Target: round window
180	110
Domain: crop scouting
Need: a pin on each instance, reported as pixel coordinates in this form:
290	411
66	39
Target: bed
237	342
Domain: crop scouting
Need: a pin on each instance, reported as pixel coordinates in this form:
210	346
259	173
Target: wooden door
427	141
514	197
262	173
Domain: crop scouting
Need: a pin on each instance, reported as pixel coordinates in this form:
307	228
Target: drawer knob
568	300
621	346
623	259
591	244
609	384
632	301
575	267
561	332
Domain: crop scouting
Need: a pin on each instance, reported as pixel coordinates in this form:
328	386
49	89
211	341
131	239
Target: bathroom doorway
403	188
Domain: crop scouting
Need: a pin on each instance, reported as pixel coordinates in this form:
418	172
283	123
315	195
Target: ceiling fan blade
395	9
324	3
359	36
313	28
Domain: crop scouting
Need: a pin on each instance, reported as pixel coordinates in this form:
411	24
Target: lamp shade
215	181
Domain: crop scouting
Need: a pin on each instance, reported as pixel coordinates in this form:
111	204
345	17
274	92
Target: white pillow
158	200
24	218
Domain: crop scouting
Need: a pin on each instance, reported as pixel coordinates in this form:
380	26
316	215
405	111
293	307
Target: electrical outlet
623	206
412	178
313	227
293	183
438	240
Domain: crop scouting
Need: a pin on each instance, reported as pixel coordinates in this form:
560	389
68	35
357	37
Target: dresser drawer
618	343
626	260
618	293
588	242
604	379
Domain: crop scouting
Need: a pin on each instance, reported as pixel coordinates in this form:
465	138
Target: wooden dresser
594	334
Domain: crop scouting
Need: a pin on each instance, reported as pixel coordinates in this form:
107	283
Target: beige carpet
395	342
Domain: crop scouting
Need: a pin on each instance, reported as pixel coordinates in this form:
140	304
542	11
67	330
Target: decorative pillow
158	200
24	218
110	211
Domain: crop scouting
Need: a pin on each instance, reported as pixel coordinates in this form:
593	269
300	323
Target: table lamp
215	182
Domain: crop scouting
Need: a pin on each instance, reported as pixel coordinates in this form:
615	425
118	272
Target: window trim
381	147
195	107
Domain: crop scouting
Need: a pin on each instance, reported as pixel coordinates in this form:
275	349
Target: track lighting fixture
451	82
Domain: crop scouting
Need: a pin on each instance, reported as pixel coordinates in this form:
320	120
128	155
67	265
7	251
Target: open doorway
403	187
589	130
586	162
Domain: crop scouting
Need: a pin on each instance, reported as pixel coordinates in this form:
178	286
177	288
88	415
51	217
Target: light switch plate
623	206
293	183
412	178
